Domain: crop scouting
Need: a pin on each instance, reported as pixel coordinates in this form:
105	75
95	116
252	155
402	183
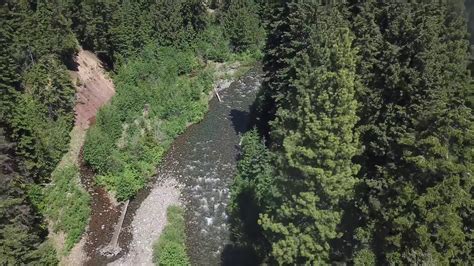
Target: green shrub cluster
212	45
67	204
159	93
170	249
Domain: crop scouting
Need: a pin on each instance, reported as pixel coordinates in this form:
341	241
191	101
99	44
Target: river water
207	162
203	159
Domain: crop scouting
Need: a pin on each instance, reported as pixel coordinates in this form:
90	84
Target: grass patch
170	249
67	204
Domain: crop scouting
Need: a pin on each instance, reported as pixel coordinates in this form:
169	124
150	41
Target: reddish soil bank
94	88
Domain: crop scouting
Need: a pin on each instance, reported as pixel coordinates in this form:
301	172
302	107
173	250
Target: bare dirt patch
94	88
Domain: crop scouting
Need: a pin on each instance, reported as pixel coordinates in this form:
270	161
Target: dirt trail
93	90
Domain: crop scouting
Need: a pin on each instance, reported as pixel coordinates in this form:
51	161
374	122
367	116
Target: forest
359	151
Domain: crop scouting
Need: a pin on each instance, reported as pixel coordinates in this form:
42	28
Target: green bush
364	257
97	148
67	204
126	183
173	254
213	45
170	249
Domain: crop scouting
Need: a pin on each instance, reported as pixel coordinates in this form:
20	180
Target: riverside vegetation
170	249
362	151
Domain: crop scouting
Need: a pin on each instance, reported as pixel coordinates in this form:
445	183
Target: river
207	162
203	160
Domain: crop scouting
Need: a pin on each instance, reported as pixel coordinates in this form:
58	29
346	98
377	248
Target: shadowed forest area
361	150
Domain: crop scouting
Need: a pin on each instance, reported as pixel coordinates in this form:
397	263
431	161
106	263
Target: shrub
173	254
126	183
97	149
170	249
364	257
213	45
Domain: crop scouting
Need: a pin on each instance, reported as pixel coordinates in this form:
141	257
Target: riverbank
150	219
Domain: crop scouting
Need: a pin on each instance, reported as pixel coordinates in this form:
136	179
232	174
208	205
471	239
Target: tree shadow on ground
245	232
240	120
233	255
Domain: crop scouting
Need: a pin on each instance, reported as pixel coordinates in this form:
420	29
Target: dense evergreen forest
361	151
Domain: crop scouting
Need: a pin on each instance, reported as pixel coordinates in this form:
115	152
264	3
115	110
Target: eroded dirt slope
94	88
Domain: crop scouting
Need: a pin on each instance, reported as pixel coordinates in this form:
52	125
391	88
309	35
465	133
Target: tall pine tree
284	41
243	25
315	139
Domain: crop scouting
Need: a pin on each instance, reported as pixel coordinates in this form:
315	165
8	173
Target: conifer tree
45	31
316	129
33	36
416	130
93	26
252	193
243	25
51	85
282	44
20	226
9	68
194	14
168	22
132	28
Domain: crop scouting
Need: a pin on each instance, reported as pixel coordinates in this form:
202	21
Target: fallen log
112	248
217	94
